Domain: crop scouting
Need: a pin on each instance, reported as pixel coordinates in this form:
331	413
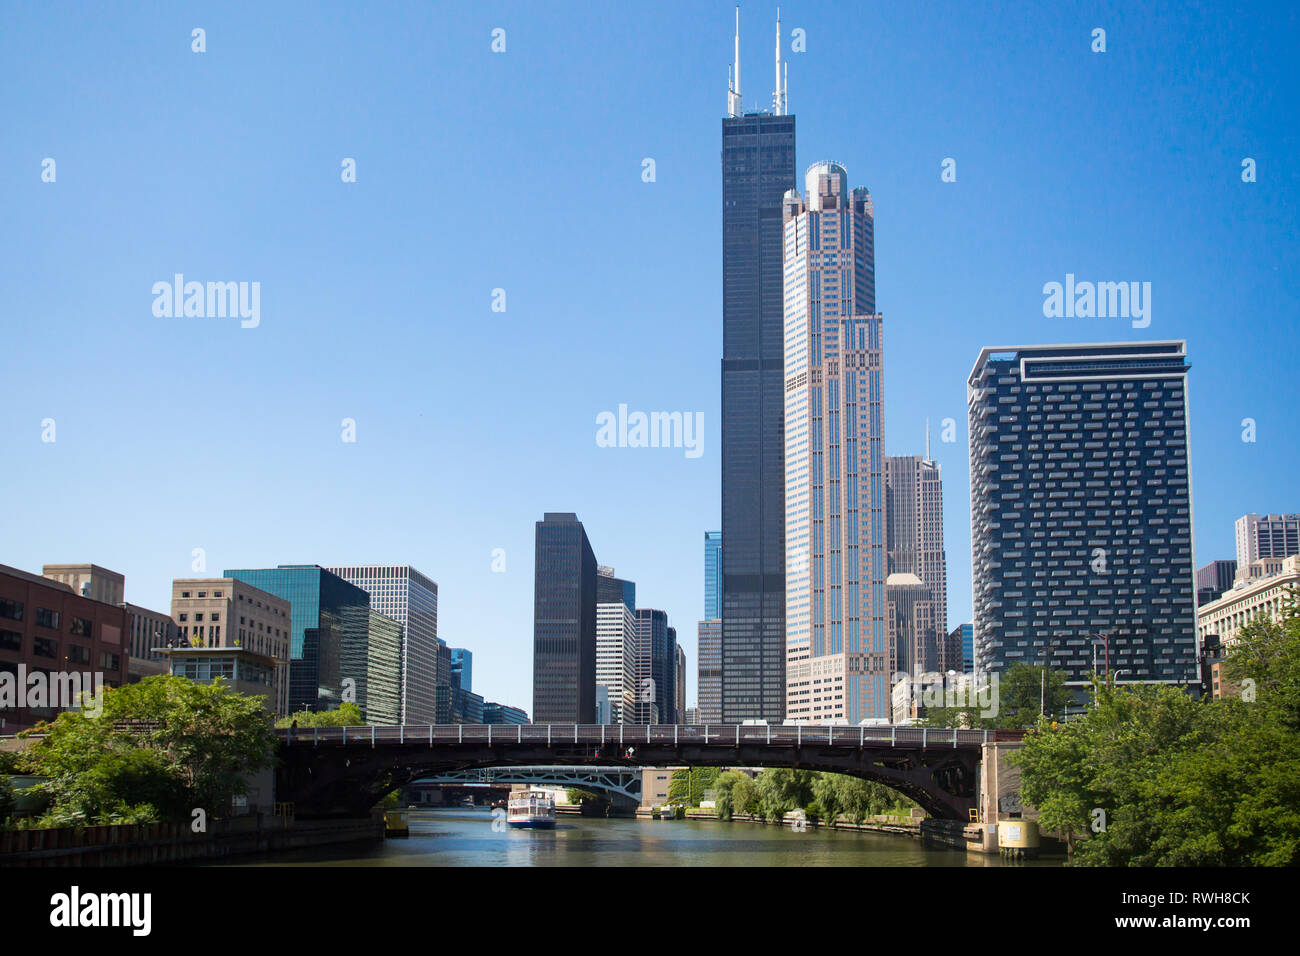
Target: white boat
531	808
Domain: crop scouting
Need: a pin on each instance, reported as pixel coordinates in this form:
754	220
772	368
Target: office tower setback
757	168
1213	580
837	644
656	667
1267	536
912	627
616	661
712	575
400	592
564	622
610	588
964	637
1081	509
462	668
708	679
325	614
223	613
914	525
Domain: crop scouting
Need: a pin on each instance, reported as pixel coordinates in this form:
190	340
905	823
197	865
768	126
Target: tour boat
531	808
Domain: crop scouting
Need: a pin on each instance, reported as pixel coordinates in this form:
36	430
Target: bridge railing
628	736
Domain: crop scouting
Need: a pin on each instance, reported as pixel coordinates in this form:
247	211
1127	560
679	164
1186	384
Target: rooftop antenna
927	440
734	106
778	95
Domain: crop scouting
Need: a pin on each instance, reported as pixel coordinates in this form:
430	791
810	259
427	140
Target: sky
524	171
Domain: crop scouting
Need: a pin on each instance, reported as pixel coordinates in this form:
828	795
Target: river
465	837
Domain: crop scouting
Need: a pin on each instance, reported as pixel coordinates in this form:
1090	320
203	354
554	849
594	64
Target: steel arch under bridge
624	781
344	771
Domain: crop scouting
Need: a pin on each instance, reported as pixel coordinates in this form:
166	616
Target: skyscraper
1081	520
656	675
837	646
712	575
326	615
757	169
410	598
462	669
708	679
914	542
564	622
616	646
1267	536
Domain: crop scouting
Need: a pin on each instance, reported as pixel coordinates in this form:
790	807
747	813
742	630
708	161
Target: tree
346	715
687	786
198	743
7	800
1156	779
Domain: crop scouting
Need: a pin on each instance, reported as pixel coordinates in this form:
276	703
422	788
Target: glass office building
1081	515
758	151
712	575
410	598
326	613
564	622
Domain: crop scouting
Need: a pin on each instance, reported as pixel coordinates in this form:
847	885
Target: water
464	837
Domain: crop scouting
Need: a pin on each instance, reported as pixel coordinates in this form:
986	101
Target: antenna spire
778	94
734	104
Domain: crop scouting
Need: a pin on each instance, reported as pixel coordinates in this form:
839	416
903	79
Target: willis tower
757	168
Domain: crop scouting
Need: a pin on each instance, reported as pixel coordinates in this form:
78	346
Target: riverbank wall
170	843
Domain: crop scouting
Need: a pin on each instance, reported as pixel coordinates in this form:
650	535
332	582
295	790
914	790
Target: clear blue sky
522	171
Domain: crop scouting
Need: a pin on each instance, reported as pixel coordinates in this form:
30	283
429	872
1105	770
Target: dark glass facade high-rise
758	166
1081	520
326	615
612	590
712	575
656	691
564	622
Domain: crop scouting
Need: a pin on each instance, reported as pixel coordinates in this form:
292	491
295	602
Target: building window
47	618
109	662
13	610
185	594
76	654
11	641
80	627
44	647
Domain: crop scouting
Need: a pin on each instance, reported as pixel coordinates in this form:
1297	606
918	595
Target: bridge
623	781
344	771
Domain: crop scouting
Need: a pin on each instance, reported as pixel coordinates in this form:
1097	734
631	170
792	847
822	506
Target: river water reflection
465	837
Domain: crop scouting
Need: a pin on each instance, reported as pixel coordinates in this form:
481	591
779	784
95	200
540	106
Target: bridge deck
631	735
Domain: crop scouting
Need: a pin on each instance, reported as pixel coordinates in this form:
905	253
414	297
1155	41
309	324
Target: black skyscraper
757	169
564	623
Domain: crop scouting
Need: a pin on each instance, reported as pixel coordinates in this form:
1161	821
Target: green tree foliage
822	796
687	787
6	800
197	744
1180	782
856	799
346	715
